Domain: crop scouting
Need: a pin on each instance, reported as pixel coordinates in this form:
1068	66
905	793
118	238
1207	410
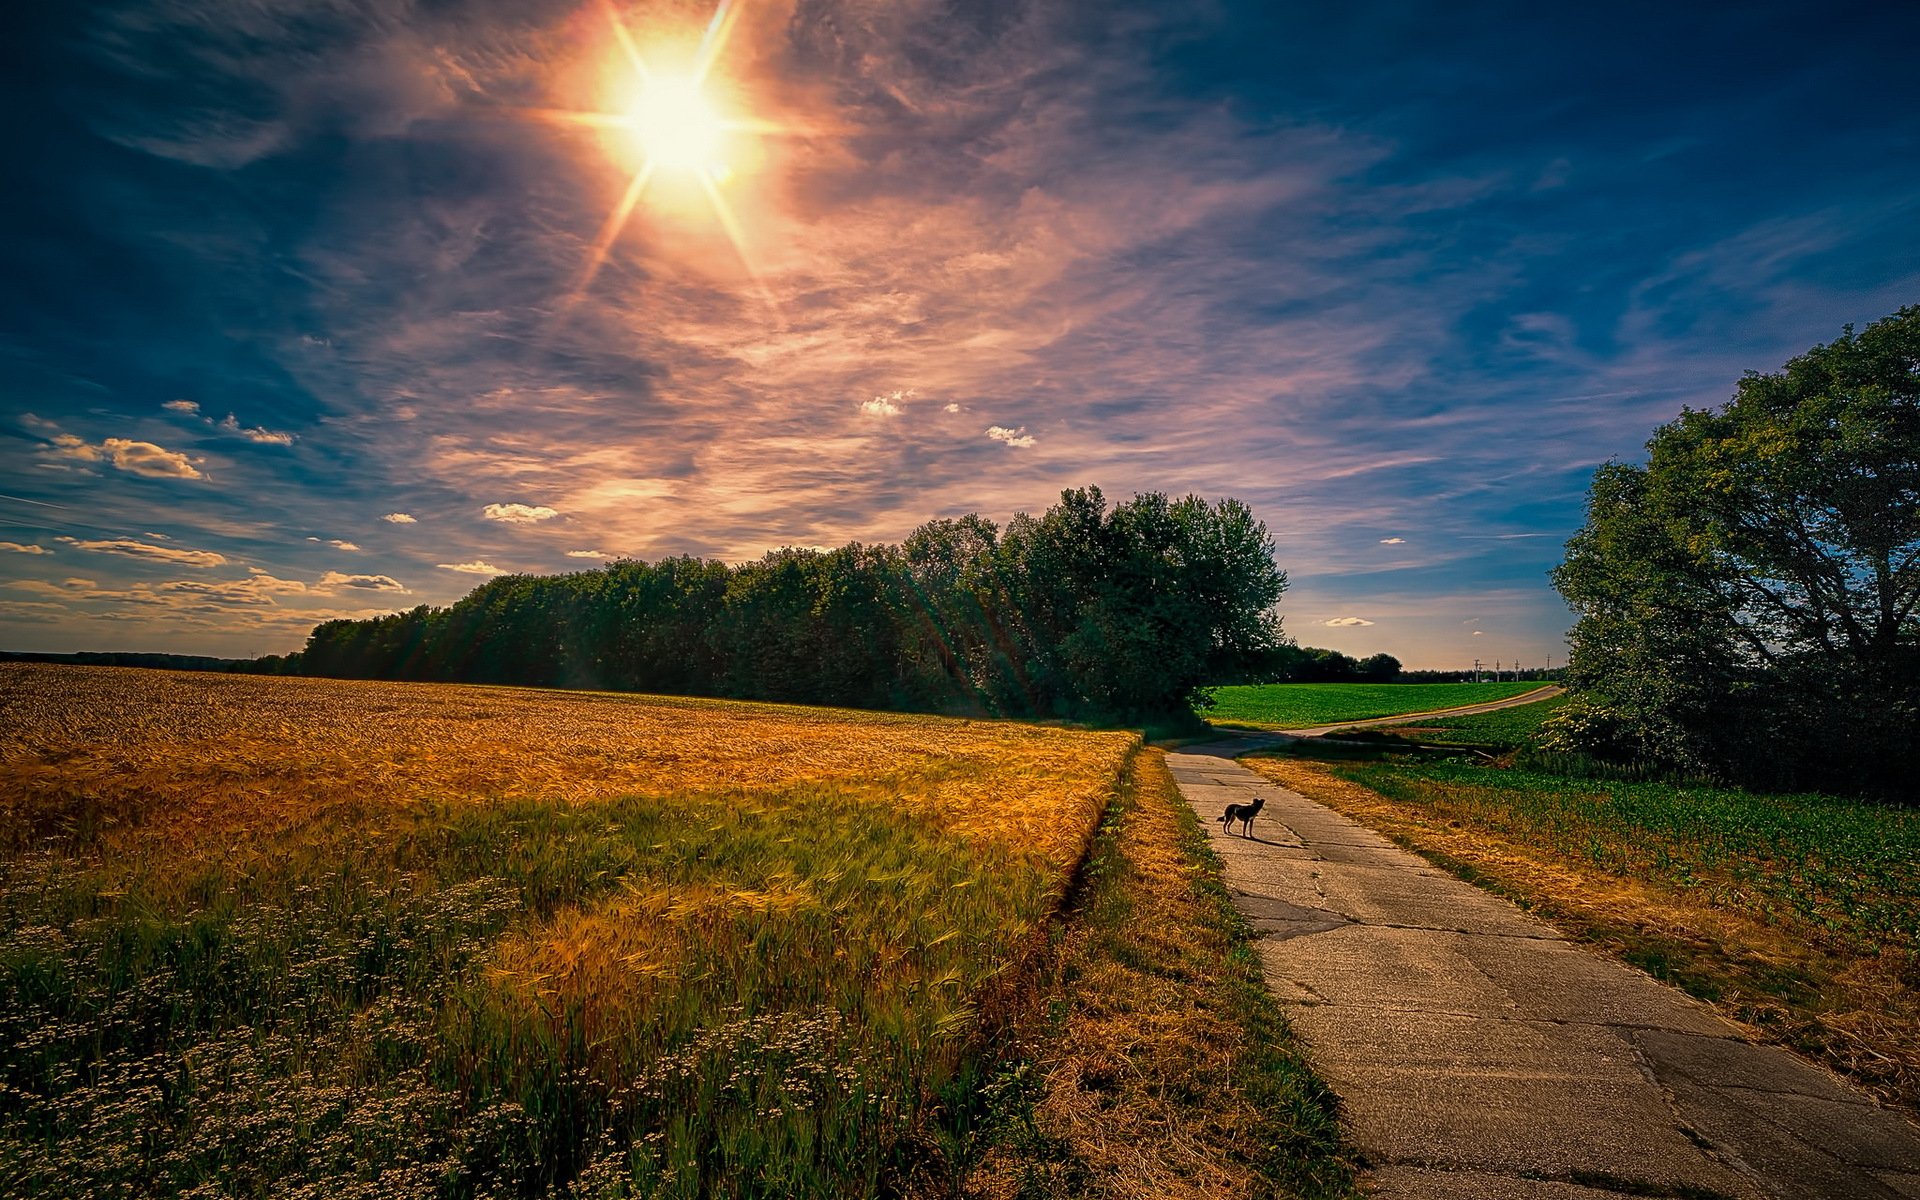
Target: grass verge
1798	916
1160	1066
1302	705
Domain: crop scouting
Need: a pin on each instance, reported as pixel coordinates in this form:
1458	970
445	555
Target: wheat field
319	938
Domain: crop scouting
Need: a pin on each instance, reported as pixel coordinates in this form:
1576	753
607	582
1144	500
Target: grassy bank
1799	915
1163	1068
302	937
1302	705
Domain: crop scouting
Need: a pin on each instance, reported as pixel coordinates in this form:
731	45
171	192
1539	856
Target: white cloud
1012	437
398	518
1393	541
17	548
952	408
588	554
518	514
181	406
267	437
369	583
1346	622
887	404
1477	633
132	549
135	458
336	543
158	537
476	567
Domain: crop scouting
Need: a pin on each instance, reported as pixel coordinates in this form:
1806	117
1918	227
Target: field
1303	705
316	938
1799	914
1501	729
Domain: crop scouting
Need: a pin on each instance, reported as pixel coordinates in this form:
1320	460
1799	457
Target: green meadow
1302	705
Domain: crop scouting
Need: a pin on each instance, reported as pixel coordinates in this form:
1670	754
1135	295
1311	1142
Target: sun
675	127
667	123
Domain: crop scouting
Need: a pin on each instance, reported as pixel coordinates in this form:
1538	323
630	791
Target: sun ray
736	235
610	233
625	39
715	39
669	125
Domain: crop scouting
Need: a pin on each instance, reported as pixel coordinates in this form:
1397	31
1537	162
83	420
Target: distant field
1503	729
309	937
1302	705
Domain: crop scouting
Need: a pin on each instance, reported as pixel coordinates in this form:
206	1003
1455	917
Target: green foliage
1088	611
1848	868
1748	600
1302	705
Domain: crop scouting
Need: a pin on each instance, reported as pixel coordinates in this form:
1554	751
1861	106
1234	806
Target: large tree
1748	600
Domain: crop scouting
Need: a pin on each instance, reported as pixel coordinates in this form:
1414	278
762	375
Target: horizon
335	313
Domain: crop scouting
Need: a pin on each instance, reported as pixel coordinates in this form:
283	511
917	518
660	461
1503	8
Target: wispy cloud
368	583
1347	622
519	514
588	554
1393	541
400	518
128	548
476	567
265	437
1012	437
337	543
22	548
888	404
125	454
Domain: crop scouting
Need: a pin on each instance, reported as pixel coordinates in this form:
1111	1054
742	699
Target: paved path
1465	710
1478	1055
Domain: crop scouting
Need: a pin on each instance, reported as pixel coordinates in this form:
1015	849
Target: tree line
1749	600
1090	611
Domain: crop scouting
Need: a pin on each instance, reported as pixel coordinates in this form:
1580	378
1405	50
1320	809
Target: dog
1243	813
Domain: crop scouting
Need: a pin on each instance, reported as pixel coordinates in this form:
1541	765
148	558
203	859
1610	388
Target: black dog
1244	813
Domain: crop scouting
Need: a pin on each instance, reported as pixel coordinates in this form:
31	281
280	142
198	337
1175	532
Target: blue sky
280	273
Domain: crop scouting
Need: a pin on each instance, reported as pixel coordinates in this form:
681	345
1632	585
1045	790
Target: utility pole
1476	670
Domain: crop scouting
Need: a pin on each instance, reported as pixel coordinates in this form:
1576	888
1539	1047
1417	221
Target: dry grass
119	755
333	938
1167	1073
1785	979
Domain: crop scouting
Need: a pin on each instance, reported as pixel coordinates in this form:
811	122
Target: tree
1747	600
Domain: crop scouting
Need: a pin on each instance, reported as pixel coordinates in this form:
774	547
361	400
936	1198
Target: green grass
1301	705
1502	729
1846	870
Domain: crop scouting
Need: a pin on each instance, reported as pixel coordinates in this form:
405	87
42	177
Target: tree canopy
1088	611
1747	600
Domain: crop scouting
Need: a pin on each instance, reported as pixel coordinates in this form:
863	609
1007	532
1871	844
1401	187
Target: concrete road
1479	1055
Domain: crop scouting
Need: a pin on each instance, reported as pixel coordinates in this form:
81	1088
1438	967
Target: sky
318	308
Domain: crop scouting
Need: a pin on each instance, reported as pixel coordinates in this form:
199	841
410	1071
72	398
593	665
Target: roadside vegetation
316	938
1749	600
1798	914
1303	705
1159	1066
